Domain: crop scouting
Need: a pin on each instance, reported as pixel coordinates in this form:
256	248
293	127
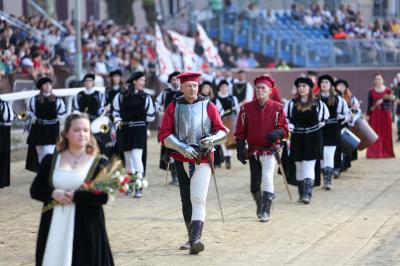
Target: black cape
90	245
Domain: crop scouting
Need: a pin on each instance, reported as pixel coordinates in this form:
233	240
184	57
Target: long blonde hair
62	145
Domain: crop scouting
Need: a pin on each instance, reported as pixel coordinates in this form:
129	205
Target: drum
230	122
348	141
101	125
364	132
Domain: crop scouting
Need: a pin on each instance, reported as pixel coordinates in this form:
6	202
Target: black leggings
255	174
184	189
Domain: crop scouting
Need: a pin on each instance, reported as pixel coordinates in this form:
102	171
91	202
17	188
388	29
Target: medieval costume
230	110
6	117
242	89
190	130
133	109
110	94
73	234
306	142
44	112
338	114
92	102
261	125
168	95
380	104
343	160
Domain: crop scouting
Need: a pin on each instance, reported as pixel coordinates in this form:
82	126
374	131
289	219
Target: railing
297	44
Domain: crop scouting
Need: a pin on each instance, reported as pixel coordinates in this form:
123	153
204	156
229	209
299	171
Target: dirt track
358	223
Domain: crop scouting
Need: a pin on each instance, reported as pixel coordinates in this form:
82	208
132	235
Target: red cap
266	79
188	76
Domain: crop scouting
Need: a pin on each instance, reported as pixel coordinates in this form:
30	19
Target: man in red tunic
190	128
263	124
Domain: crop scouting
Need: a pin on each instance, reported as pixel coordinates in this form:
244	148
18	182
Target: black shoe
266	203
186	246
300	189
327	174
336	173
307	192
257	198
174	181
228	162
196	246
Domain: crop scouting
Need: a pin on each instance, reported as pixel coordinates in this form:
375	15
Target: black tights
184	189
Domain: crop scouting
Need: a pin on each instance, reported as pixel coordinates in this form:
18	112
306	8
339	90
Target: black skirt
331	134
289	167
4	156
306	147
132	138
43	134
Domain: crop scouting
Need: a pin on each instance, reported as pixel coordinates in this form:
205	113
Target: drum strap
306	130
331	121
46	122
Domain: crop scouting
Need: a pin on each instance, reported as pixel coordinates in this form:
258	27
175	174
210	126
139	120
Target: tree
120	11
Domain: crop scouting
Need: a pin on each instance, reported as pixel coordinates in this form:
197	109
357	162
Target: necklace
76	158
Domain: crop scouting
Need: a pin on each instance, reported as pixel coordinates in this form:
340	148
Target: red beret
266	79
188	76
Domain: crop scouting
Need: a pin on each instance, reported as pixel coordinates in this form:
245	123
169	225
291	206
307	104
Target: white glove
291	127
190	153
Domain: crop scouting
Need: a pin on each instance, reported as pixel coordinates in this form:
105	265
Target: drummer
230	110
338	112
342	88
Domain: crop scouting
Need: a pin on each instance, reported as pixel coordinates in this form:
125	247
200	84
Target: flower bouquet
110	180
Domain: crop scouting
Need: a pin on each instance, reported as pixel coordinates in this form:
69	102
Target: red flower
97	192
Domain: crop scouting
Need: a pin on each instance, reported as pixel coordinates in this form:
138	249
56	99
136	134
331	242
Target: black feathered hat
89	76
135	76
116	72
173	74
327	77
222	82
304	80
342	81
43	80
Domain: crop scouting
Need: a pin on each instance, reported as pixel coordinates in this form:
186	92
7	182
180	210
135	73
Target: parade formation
90	145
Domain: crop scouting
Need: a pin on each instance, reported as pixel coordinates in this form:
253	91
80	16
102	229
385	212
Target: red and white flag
210	51
164	56
186	47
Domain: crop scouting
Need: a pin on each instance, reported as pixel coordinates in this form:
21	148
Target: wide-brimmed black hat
135	76
43	80
327	77
304	80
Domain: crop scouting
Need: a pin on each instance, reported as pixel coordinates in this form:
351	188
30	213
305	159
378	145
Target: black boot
257	198
228	162
196	228
174	176
186	246
327	173
307	192
300	189
266	203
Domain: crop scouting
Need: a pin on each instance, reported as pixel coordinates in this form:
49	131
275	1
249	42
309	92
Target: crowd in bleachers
105	47
342	23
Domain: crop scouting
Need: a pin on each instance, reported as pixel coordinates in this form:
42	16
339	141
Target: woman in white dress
74	232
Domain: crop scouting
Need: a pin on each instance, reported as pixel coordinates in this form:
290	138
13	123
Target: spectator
282	65
252	61
296	13
270	17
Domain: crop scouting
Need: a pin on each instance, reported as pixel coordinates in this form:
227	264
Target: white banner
186	47
210	51
164	56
